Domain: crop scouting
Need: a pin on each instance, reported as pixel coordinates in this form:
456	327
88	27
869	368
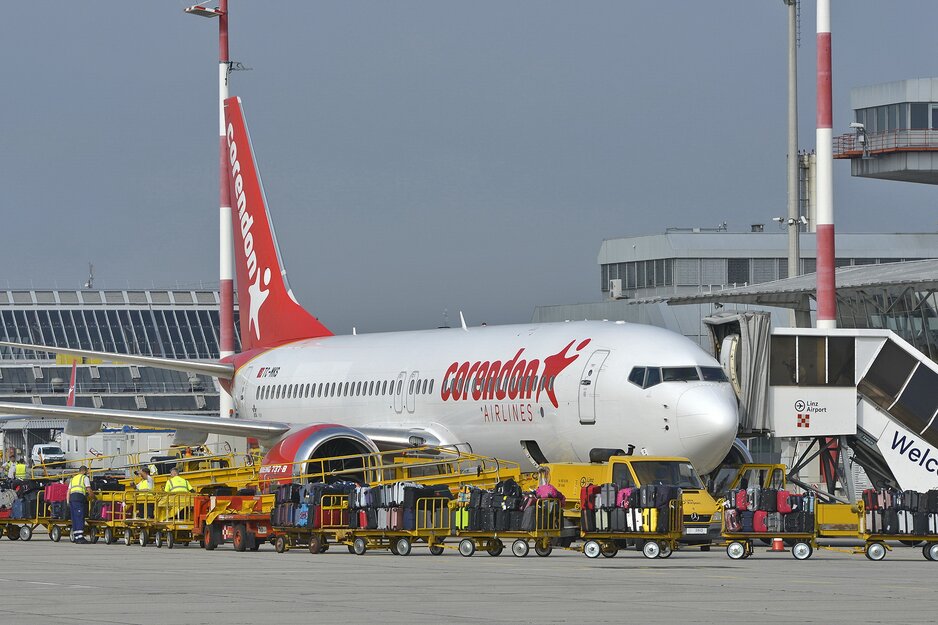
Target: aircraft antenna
89	284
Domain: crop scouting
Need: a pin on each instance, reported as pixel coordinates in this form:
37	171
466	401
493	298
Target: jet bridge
867	389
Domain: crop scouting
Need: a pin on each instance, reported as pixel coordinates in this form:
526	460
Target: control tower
895	131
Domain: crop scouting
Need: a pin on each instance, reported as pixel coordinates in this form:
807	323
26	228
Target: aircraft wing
264	430
213	369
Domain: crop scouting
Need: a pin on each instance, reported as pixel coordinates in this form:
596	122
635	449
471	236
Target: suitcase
664	495
382	518
19	509
328	517
622	497
647	497
635	521
288	493
462	519
905	522
649	519
919	523
870	499
396	516
302	515
871	522
547	491
618	521
742	500
783	504
55	492
529	519
106	484
890	522
663	518
932	523
931	502
485	500
769	500
774	522
796	502
502	520
588	497
609	493
731	520
588	521
602	520
475	498
753	498
746	521
516	517
759	521
487	520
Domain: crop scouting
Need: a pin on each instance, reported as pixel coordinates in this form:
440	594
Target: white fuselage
567	389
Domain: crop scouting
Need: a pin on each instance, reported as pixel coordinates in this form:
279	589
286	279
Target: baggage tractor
759	521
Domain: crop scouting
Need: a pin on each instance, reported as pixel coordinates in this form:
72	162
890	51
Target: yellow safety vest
177	484
143	485
77	485
20	470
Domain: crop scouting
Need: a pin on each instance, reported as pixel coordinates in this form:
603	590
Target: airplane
534	392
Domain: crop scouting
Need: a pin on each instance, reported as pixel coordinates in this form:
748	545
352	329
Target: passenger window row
369	388
646	377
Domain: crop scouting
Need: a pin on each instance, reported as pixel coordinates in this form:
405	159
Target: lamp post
226	283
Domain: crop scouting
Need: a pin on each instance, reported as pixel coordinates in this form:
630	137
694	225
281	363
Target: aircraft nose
707	422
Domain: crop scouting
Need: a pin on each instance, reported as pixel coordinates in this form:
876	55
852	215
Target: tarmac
60	583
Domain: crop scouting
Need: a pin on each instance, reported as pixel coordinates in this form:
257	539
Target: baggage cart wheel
519	548
281	545
55	534
158	540
592	549
651	550
403	546
610	551
437	550
26	532
144	537
802	550
240	539
351	549
392	547
666	550
170	540
13	532
495	548
94	538
315	545
876	551
542	551
467	547
108	536
359	546
128	537
930	551
736	550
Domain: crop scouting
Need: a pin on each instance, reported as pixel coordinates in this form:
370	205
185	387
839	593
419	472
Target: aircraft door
399	392
588	383
411	391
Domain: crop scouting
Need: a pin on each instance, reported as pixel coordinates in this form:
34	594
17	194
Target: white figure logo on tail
258	297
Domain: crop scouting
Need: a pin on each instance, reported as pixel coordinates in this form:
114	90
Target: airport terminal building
164	323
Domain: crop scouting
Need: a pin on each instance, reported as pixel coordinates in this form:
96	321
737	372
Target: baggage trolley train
655	536
879	526
541	526
396	529
803	539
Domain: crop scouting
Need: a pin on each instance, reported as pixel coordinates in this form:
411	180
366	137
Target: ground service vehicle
700	518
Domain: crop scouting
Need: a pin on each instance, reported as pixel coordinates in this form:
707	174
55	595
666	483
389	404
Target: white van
46	453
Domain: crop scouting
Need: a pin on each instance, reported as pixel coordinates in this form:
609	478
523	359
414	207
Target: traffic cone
778	545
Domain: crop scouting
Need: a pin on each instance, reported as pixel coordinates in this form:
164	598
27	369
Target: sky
423	157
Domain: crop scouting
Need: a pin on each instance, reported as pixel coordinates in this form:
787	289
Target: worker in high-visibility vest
79	487
176	483
18	470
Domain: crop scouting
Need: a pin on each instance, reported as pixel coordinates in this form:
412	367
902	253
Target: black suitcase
502	520
508	487
516	517
588	521
485	502
487	520
746	521
648	496
890	522
663	518
919	523
769	500
666	494
529	519
475	498
619	523
106	484
511	503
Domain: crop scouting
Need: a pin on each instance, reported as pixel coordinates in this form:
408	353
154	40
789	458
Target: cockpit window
653	377
713	374
637	376
679	374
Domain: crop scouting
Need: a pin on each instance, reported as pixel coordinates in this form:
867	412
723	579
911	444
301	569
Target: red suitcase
742	500
783	504
54	492
759	521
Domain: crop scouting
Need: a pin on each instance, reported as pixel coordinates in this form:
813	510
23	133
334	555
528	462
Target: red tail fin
269	313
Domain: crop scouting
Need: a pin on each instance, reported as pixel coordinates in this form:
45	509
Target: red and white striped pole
225	278
826	295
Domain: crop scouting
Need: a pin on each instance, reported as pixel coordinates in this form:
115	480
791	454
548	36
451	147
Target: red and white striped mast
824	219
225	276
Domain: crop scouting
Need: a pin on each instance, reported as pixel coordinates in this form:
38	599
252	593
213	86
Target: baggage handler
18	470
177	483
145	483
78	490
